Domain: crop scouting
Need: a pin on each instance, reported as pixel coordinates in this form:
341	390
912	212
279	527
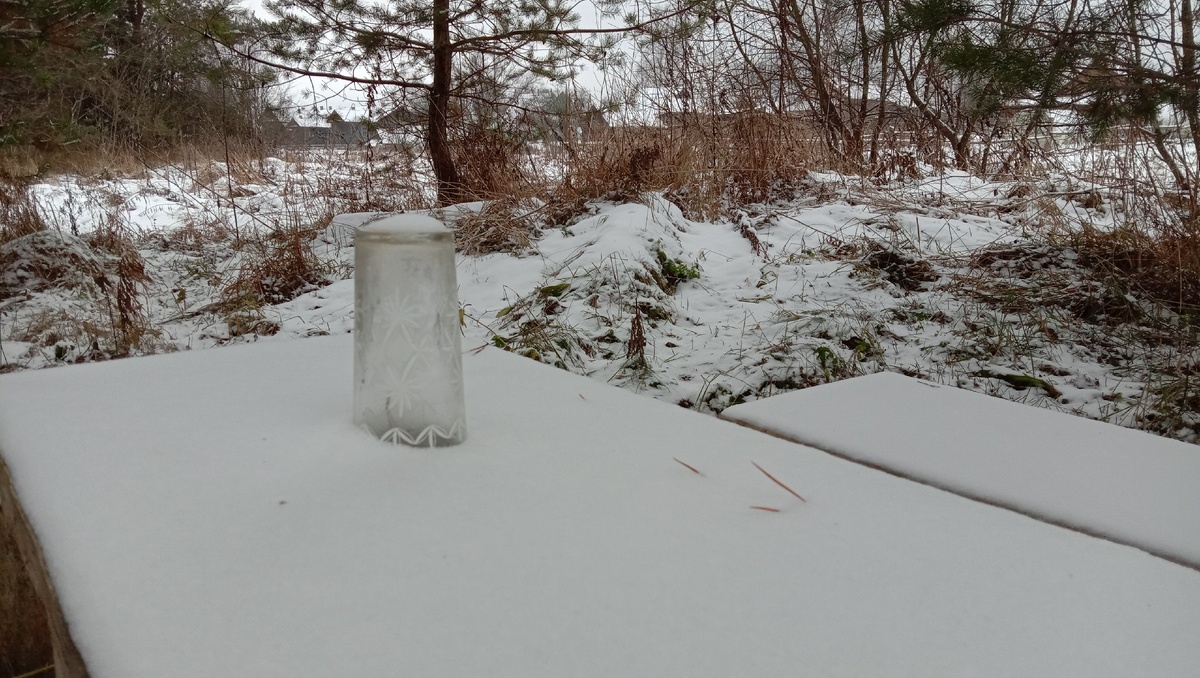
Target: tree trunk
837	137
1188	82
960	144
135	13
881	117
449	186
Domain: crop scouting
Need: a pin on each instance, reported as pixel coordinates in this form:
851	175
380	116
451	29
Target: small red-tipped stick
790	490
689	467
766	508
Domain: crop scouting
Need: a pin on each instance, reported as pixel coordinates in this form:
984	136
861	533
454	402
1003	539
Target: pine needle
777	482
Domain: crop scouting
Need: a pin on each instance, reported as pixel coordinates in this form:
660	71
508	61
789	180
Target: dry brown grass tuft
24	634
1164	268
620	167
195	234
706	164
490	164
635	348
124	290
19	215
276	269
504	225
19	162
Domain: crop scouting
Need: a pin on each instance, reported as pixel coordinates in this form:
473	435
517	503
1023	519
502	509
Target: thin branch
540	34
409	84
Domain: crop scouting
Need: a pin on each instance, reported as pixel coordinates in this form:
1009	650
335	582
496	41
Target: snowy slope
948	278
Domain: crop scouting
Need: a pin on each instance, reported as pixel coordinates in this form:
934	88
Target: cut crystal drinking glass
408	378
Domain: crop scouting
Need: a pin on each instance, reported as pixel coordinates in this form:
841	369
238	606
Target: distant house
579	126
694	120
896	116
350	133
303	128
405	116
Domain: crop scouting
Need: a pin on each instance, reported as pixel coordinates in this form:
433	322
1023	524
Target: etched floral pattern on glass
407	350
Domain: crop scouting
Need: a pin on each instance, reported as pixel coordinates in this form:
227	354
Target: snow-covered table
216	514
1120	484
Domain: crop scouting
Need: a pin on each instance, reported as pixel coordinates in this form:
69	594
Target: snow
216	513
1128	486
402	224
933	277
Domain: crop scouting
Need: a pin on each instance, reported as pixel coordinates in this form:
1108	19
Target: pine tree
416	45
1089	59
130	73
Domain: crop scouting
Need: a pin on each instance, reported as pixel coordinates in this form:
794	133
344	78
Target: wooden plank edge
68	662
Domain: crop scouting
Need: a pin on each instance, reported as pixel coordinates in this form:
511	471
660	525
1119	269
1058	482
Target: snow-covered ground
949	278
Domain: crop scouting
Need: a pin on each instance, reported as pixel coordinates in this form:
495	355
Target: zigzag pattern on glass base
430	436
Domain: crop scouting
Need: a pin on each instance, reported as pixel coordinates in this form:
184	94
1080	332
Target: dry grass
277	268
491	164
124	290
19	162
504	225
635	348
24	634
1164	268
107	160
19	215
704	166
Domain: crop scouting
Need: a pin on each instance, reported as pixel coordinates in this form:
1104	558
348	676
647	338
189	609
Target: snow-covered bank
947	278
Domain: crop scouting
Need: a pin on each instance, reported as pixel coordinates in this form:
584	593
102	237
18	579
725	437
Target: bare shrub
490	165
619	167
766	156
